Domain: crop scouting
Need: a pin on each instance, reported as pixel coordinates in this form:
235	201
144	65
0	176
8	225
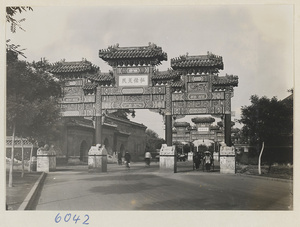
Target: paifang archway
191	87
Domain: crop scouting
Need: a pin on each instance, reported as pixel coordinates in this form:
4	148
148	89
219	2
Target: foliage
12	48
203	148
153	141
11	12
186	148
270	121
220	124
31	98
123	114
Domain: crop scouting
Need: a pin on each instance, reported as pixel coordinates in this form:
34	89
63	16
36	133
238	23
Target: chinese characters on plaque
133	80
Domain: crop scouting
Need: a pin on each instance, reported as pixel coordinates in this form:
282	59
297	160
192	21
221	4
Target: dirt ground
21	187
276	171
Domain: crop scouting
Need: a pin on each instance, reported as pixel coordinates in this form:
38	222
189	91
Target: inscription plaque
201	96
133	70
72	99
74	113
167	150
199	78
132	91
197	110
133	80
133	105
73	83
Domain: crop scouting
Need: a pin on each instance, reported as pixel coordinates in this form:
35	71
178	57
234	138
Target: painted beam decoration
133	90
133	68
191	86
206	92
75	101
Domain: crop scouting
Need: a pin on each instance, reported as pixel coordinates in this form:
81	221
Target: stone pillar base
167	159
46	160
42	163
97	160
227	160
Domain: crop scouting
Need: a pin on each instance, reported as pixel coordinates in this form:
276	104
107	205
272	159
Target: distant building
118	135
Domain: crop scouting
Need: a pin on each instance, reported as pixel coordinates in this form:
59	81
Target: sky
255	41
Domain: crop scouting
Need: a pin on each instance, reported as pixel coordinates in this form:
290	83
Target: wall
76	135
128	135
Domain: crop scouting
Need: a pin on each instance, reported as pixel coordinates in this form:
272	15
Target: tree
123	113
268	121
31	98
11	12
10	17
220	124
31	107
153	141
13	51
186	148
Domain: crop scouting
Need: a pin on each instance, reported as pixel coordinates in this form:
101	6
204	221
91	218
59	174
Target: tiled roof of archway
73	67
116	52
177	84
181	124
214	127
229	80
100	77
209	60
203	120
165	75
89	86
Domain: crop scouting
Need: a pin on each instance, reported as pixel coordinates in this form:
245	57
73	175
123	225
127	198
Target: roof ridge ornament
153	46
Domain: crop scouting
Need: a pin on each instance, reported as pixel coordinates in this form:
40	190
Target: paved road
145	188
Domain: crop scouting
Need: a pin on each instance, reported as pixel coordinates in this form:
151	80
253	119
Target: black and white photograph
150	113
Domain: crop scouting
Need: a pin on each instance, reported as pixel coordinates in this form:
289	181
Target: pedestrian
207	160
148	158
197	159
119	158
127	159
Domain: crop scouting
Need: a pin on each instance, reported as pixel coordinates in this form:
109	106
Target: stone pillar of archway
168	160
227	120
98	118
168	115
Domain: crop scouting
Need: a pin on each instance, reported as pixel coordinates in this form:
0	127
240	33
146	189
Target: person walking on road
127	159
148	158
207	160
197	159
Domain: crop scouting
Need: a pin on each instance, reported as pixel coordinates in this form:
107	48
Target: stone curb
28	201
265	178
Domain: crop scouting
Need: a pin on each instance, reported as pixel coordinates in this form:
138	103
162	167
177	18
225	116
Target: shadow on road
124	188
119	177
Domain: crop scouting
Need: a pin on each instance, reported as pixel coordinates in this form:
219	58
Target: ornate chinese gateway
191	87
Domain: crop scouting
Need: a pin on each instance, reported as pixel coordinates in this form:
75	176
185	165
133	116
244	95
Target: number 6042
68	217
